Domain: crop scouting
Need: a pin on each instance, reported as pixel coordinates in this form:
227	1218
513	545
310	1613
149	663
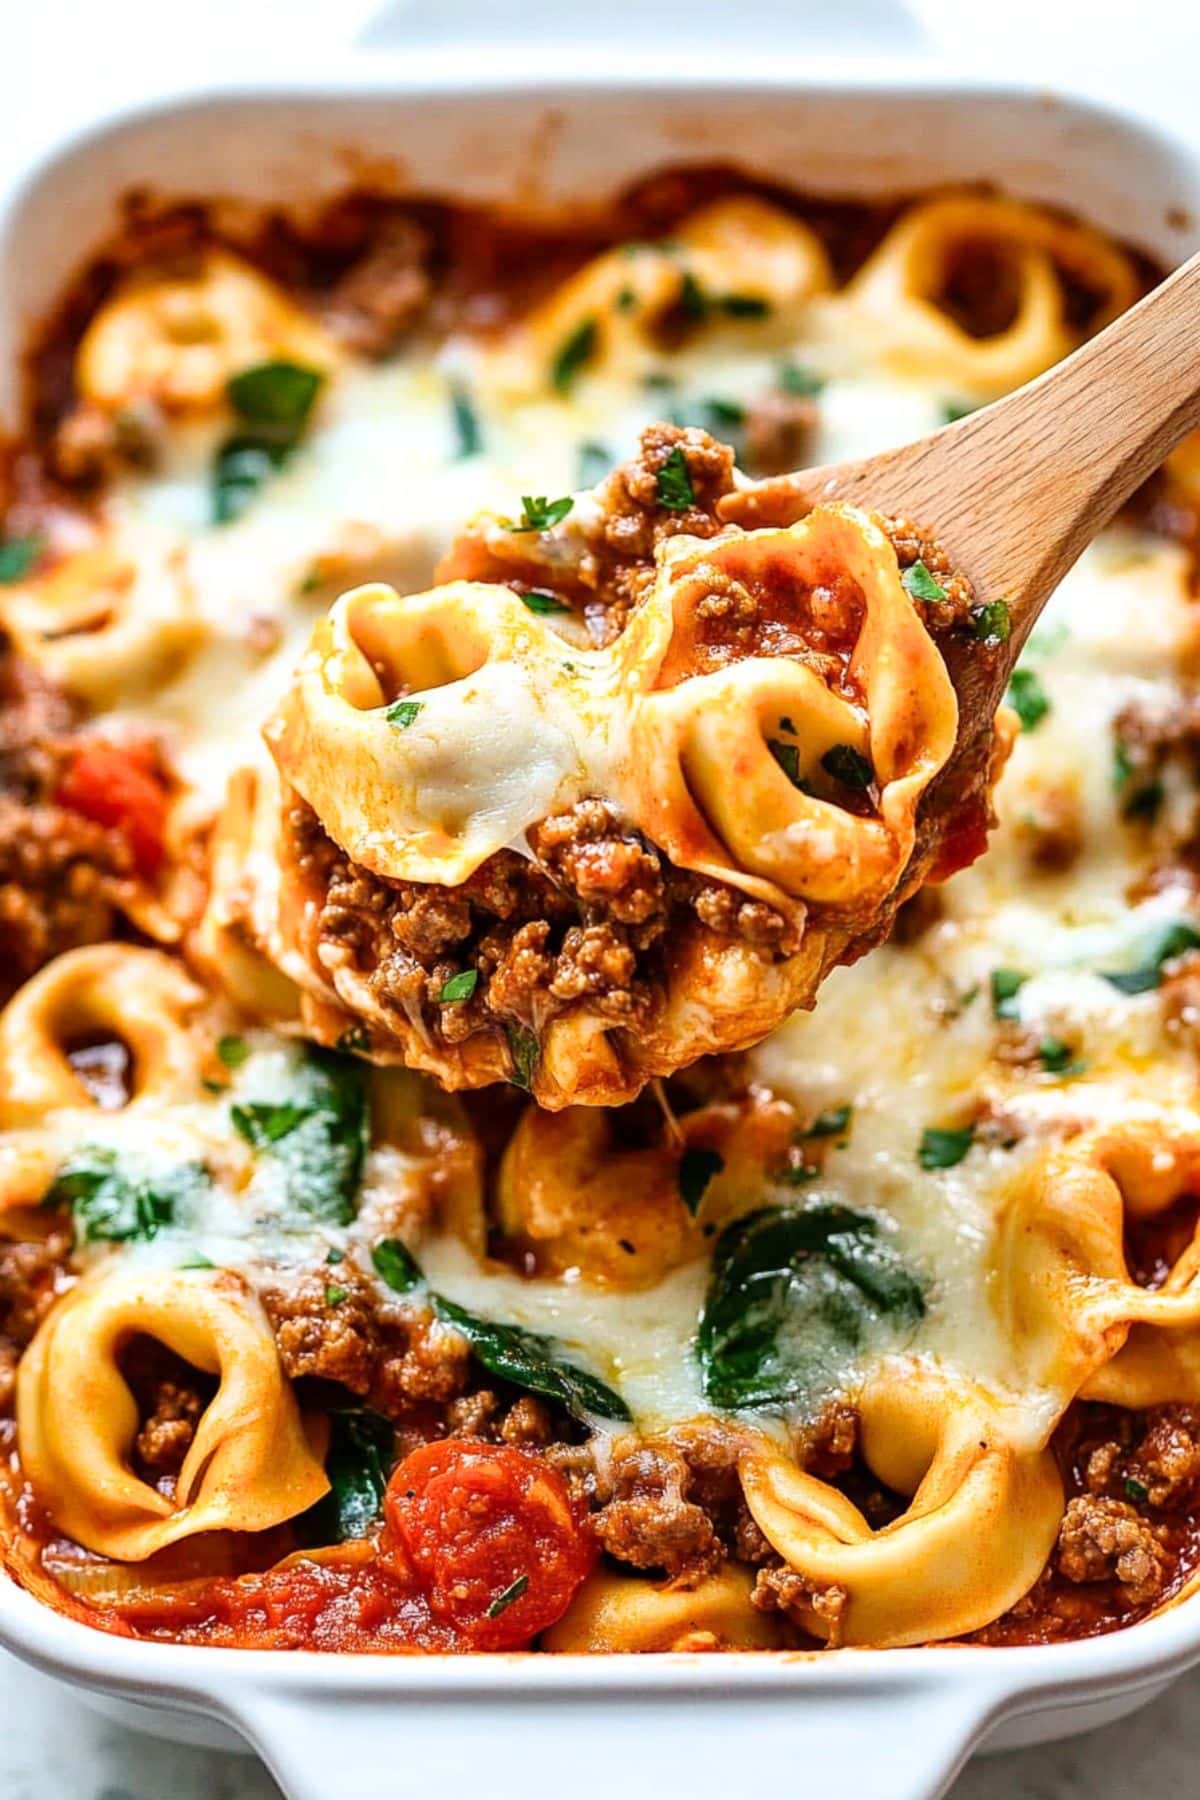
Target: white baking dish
548	128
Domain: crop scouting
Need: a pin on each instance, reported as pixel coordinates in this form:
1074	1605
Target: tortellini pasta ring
975	1536
613	1613
140	997
249	1466
176	337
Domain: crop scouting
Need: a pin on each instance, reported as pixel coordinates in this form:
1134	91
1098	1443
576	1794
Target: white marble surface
53	1747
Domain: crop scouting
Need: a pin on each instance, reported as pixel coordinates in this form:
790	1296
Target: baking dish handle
882	1740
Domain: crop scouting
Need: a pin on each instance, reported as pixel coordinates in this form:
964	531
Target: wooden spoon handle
1015	491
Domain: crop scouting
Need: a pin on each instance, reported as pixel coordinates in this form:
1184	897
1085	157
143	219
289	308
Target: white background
62	60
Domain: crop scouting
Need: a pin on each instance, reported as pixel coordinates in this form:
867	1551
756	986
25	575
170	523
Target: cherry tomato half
115	785
493	1537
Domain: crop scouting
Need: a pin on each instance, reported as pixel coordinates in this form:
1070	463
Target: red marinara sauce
481	1549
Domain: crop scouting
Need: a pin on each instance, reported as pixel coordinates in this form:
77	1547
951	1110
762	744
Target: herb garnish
335	1295
849	766
459	987
942	1148
273	401
467	431
697	1166
542	601
17	557
674	482
232	1051
832	1122
917	581
576	351
1161	944
403	713
788	758
1058	1058
991	623
115	1201
503	1601
1027	697
527	1358
316	1138
954	410
1006	985
793	1289
1136	1490
523	1048
540	514
793	378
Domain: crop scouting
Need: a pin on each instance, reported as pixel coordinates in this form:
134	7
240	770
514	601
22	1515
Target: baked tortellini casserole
434	1214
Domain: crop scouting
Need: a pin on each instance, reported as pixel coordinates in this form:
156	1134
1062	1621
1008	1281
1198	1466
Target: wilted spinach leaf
358	1462
793	1291
116	1201
1167	940
526	1358
316	1137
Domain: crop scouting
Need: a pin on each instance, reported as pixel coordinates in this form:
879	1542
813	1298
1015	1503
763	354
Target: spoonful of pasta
1016	491
654	757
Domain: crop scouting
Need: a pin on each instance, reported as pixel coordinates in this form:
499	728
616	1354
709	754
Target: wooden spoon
1015	492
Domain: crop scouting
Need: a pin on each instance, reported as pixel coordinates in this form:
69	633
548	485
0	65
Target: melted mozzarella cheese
906	1037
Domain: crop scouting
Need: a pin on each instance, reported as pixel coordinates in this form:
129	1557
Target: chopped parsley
1058	1058
17	557
674	482
468	433
574	354
541	600
523	1049
1136	1490
991	623
1161	944
723	413
403	713
942	1148
540	514
697	1166
833	1122
744	306
232	1051
1006	985
503	1601
849	766
794	378
459	987
335	1295
315	1138
395	1263
917	581
1028	698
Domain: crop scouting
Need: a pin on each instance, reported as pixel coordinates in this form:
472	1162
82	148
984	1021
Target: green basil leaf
942	1148
17	557
697	1167
573	356
1028	698
459	987
917	581
316	1138
1161	944
362	1448
122	1200
277	395
794	1293
674	482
